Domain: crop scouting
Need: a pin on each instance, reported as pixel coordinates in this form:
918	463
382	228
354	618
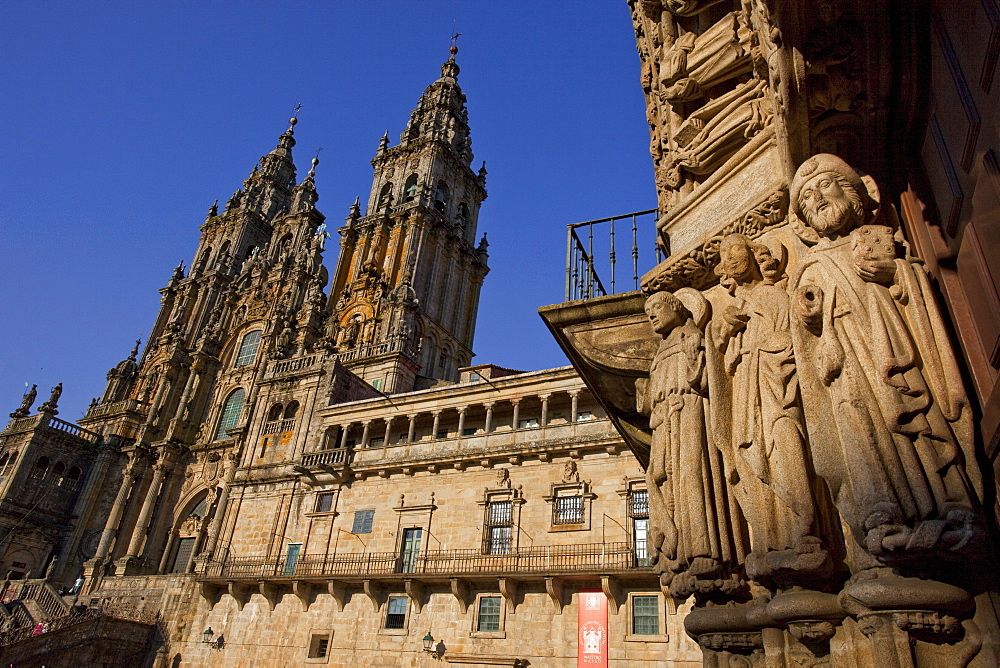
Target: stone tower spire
409	272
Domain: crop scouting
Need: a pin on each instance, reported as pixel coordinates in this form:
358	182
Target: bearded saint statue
888	420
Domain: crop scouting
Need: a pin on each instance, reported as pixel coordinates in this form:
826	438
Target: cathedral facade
303	467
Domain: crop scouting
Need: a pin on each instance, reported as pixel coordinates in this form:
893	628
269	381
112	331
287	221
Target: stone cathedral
780	450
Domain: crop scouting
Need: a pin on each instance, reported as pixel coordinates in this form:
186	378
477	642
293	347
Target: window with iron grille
638	503
499	520
248	348
319	646
324	502
645	615
638	510
567	510
363	521
395	617
489	614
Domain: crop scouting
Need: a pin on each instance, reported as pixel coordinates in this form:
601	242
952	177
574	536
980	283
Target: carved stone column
344	430
388	431
461	421
489	418
139	533
517	413
117	508
364	433
437	423
412	431
543	420
574	397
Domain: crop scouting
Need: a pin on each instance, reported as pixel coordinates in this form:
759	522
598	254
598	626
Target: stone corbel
460	589
554	588
613	590
338	590
303	592
241	593
211	593
271	592
373	590
415	592
508	589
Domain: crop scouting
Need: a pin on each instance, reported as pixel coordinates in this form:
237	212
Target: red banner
592	630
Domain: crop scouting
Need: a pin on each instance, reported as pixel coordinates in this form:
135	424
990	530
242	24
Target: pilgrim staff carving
691	535
888	418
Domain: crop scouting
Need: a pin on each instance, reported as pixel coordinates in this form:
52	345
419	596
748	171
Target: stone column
517	412
344	429
543	420
574	396
412	432
117	508
139	533
388	431
437	423
172	536
188	386
215	528
364	434
489	418
461	421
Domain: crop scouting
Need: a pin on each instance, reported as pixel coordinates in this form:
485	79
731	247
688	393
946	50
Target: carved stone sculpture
692	542
52	404
889	422
757	414
26	402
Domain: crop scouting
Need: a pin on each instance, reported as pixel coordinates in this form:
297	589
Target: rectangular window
471	431
410	550
527	424
646	615
395	617
567	510
376	442
584	416
638	505
401	438
443	433
248	348
499	521
291	558
363	521
324	502
377	384
319	646
489	614
640	532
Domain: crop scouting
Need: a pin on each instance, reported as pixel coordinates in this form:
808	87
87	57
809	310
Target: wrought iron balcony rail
598	557
586	253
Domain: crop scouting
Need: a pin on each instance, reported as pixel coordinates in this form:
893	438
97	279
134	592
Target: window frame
319	638
322	496
368	522
401	629
661	634
241	352
222	427
477	617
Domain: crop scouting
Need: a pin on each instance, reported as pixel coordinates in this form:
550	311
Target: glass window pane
248	348
363	521
645	615
489	614
230	413
395	617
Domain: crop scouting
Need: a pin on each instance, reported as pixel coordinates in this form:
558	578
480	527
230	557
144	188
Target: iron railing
585	252
556	558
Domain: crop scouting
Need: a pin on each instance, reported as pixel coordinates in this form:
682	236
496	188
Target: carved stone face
662	316
827	204
734	258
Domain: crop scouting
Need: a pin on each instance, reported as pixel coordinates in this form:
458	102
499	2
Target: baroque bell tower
405	290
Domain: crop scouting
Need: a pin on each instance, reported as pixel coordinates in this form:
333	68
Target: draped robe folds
689	502
757	419
888	421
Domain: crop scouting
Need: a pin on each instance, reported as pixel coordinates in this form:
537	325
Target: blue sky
122	122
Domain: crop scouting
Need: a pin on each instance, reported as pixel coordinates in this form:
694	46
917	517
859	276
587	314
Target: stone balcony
613	564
